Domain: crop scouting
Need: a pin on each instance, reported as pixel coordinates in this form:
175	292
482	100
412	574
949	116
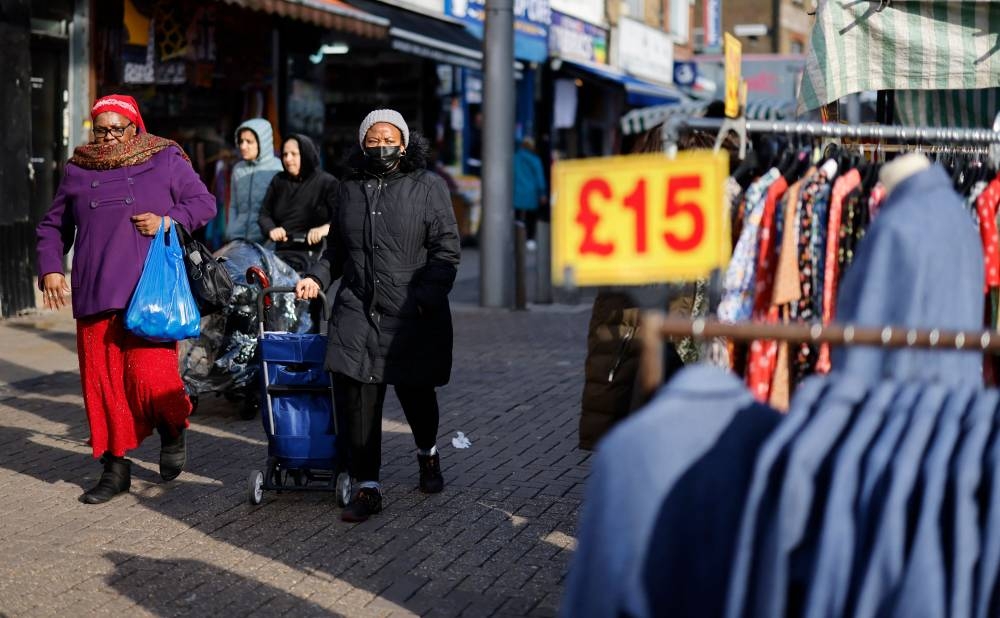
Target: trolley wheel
343	489
255	487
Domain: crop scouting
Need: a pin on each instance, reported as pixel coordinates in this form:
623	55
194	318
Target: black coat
395	243
298	203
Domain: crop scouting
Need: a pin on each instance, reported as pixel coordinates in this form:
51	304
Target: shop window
634	8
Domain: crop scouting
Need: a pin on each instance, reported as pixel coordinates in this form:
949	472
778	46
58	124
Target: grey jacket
250	180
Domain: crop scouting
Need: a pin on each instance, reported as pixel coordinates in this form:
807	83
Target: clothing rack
657	326
743	127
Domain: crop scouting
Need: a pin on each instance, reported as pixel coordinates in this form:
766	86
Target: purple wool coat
91	212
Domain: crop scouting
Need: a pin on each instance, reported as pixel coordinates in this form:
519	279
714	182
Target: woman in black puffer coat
394	241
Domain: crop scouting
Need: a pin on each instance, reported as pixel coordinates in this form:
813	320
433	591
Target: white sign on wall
591	11
428	6
644	51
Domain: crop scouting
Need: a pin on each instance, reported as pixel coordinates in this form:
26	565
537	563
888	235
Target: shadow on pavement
193	587
486	549
65	339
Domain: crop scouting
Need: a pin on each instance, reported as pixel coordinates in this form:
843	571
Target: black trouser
360	405
530	218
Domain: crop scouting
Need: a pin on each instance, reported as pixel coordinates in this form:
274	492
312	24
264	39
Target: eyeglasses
101	132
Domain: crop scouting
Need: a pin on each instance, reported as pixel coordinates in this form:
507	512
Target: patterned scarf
112	155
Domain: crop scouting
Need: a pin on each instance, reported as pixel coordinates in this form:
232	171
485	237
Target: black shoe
431	481
366	502
116	478
173	453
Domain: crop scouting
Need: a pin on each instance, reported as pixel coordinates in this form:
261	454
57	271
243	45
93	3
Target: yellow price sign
733	69
638	219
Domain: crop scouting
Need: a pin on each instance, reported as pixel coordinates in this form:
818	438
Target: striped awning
947	108
769	109
645	118
931	45
332	14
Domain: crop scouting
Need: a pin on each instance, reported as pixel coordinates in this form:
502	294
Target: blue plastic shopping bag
162	307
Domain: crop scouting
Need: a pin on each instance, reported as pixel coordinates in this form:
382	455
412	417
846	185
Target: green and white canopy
925	49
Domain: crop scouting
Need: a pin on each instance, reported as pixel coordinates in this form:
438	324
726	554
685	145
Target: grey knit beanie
384	115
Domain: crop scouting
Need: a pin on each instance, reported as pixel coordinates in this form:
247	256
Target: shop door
49	111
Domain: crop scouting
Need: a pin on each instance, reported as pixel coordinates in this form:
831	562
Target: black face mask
382	159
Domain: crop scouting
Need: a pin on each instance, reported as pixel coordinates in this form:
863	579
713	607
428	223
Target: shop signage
531	24
591	11
685	73
734	58
713	24
573	39
431	6
644	51
639	219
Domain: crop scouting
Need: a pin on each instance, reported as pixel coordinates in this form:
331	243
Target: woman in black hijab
298	204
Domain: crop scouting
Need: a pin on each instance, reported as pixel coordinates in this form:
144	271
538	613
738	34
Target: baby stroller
222	361
298	412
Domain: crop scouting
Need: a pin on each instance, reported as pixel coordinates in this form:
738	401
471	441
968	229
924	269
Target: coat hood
265	138
308	152
415	157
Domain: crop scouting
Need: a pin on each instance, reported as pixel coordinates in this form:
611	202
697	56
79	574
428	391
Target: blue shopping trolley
298	413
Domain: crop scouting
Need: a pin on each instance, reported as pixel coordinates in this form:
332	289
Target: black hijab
299	203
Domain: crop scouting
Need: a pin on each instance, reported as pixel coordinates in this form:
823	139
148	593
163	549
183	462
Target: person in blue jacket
530	192
251	177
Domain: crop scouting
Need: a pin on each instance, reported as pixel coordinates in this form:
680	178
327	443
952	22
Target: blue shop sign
685	73
531	24
574	39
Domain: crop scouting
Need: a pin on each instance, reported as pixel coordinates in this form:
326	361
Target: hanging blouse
763	354
786	287
875	199
804	361
739	282
843	186
986	209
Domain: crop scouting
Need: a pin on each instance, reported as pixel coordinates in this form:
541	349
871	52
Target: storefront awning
441	39
933	45
645	118
333	14
637	91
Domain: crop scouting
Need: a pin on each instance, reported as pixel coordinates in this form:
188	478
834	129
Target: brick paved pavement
495	543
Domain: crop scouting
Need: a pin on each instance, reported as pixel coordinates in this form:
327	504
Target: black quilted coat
394	243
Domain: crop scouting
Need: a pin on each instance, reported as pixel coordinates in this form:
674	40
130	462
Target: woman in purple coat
115	192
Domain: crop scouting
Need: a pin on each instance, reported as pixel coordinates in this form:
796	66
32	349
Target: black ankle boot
116	478
173	453
431	481
366	502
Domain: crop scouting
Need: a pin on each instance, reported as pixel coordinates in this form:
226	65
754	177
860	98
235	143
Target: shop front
589	95
198	69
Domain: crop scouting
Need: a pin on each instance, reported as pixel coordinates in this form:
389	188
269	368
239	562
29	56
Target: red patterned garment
986	209
841	187
130	385
764	354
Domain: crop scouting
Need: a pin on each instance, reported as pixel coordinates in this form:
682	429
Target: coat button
93	185
93	203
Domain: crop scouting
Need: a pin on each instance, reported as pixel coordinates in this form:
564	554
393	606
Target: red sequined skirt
130	385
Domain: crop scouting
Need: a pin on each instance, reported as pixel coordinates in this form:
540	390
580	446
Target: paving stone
495	542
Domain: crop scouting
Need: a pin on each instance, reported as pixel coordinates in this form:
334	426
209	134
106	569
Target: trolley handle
268	290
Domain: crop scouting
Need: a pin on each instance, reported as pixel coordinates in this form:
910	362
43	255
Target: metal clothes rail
742	126
657	326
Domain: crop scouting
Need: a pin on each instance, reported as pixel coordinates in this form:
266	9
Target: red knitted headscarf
114	154
121	104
